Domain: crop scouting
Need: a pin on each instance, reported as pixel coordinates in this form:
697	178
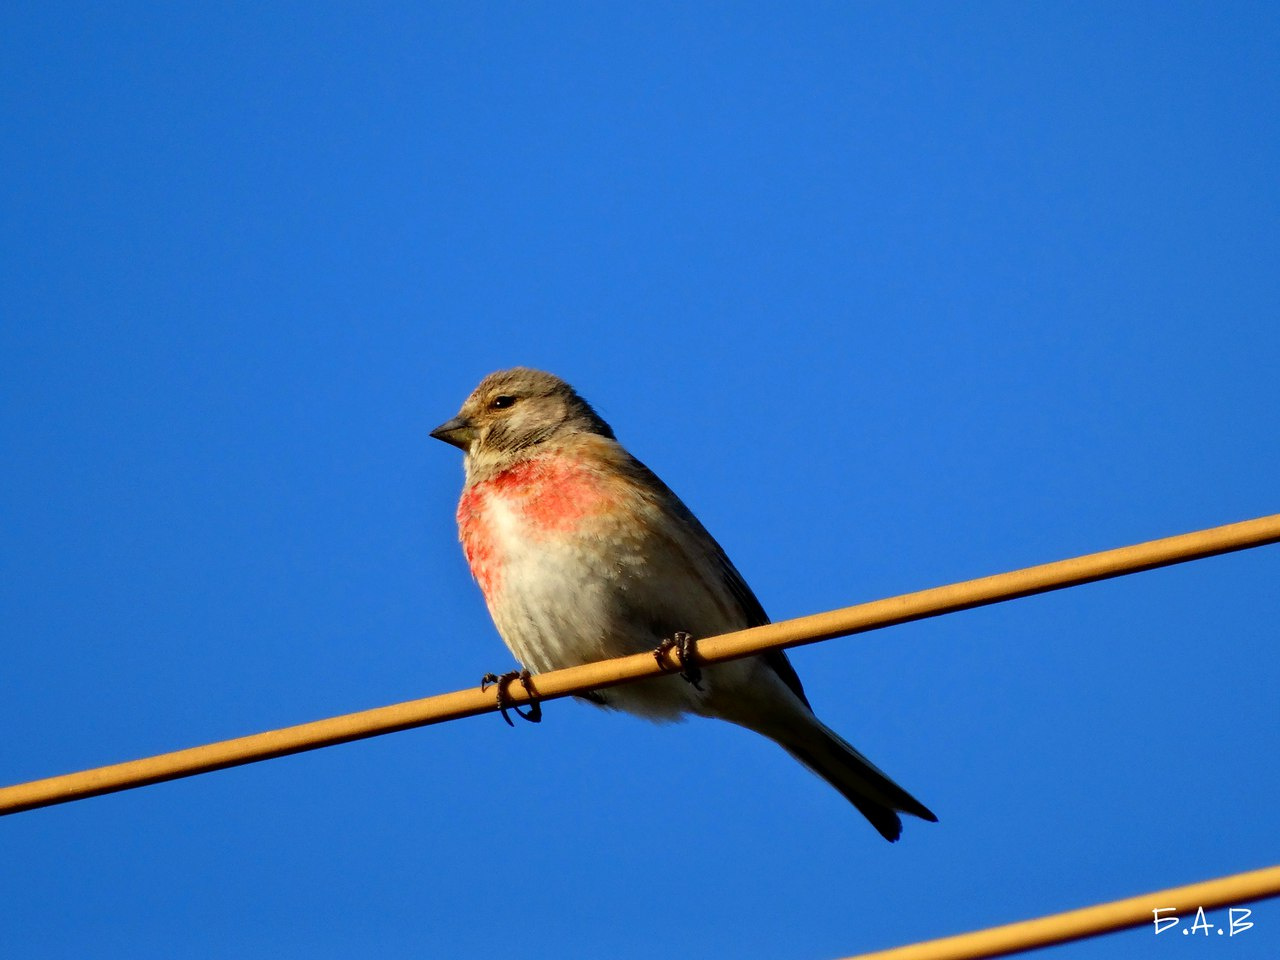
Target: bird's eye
502	402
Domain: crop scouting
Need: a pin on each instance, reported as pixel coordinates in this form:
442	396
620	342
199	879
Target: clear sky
891	294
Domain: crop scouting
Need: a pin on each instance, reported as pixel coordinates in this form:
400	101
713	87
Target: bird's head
513	411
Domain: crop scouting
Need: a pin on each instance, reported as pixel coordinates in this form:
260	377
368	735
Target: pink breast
547	498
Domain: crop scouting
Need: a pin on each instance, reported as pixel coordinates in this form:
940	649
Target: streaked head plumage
513	410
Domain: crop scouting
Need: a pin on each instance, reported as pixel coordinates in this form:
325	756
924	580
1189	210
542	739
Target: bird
584	554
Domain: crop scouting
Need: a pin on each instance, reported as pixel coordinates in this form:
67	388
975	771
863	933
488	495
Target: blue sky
892	295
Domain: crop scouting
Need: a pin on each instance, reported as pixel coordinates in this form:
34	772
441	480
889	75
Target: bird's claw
503	682
688	649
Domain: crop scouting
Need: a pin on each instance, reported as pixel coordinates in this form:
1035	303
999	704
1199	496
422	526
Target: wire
1102	918
607	673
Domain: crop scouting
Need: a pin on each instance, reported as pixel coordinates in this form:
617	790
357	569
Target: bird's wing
699	539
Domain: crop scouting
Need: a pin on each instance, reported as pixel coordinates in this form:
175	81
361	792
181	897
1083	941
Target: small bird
583	554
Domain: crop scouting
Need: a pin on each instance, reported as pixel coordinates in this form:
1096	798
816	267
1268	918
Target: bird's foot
688	649
505	703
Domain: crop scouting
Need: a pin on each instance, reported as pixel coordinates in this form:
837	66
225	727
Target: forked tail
863	784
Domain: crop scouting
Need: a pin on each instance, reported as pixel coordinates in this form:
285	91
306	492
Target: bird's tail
864	785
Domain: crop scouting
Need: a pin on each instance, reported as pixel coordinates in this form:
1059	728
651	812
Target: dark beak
457	431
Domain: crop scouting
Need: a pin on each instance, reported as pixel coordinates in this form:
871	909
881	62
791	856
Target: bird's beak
457	431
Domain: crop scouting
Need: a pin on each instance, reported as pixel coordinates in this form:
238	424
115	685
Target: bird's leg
504	700
688	648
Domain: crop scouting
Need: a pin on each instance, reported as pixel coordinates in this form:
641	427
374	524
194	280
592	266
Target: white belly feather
562	602
597	590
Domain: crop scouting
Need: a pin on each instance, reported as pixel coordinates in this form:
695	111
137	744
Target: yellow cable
608	673
1103	918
